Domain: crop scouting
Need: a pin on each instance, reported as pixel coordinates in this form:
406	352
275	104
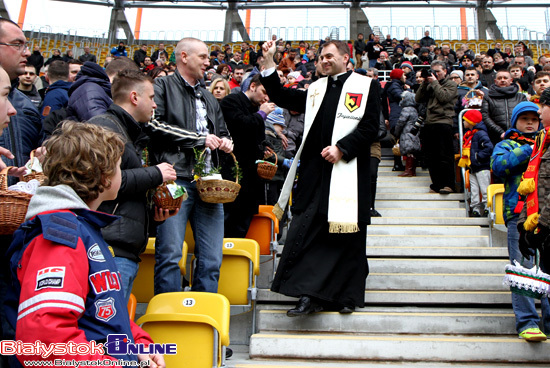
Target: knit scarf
529	182
343	192
521	139
466	147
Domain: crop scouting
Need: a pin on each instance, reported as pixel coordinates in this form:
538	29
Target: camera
426	72
417	125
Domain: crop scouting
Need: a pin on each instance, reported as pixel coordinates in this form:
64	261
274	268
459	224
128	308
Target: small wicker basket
13	206
473	99
266	170
219	190
163	199
40	176
532	283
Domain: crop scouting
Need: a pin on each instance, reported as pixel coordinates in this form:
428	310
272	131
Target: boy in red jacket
65	286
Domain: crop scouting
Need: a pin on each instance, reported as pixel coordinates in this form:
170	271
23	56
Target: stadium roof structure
358	21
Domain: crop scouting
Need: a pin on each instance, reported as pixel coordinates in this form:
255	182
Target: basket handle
4	178
272	153
537	260
234	160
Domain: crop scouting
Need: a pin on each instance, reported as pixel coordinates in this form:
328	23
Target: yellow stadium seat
198	322
495	205
189	238
240	267
143	288
132	304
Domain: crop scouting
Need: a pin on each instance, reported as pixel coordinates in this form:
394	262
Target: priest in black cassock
324	260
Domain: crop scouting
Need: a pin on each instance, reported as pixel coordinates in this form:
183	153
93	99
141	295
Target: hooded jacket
57	96
510	159
90	94
128	236
497	109
408	142
65	284
481	149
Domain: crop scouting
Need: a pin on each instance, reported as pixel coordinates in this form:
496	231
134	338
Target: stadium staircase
434	296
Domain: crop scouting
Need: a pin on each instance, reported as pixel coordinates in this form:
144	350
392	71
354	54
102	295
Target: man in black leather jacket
133	105
498	105
187	117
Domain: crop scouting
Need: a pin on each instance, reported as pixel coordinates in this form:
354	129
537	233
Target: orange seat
132	304
264	229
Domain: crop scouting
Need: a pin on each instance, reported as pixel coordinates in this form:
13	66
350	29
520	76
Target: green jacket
441	98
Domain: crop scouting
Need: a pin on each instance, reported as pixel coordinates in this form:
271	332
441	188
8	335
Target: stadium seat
144	283
197	322
132	305
495	205
264	229
240	267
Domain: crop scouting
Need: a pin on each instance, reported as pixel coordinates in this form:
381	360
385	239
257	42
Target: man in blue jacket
57	94
25	131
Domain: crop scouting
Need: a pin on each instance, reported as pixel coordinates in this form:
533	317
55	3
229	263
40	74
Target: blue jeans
207	223
524	307
372	63
128	270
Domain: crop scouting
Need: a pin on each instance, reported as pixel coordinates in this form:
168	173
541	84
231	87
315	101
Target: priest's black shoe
305	306
347	310
228	353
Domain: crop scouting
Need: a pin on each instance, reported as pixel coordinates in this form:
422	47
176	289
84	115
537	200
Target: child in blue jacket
509	162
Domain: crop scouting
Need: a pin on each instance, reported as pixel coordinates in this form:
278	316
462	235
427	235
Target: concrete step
435	281
384	240
422	212
241	359
436	266
391	347
412	251
426	231
391	204
411	187
413	297
426	221
383	171
404	320
418	179
404	196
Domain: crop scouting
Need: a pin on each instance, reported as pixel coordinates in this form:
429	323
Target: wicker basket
266	170
219	190
40	176
395	149
13	206
532	283
163	199
473	99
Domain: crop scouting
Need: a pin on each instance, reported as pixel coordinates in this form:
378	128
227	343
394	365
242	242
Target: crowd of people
109	134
